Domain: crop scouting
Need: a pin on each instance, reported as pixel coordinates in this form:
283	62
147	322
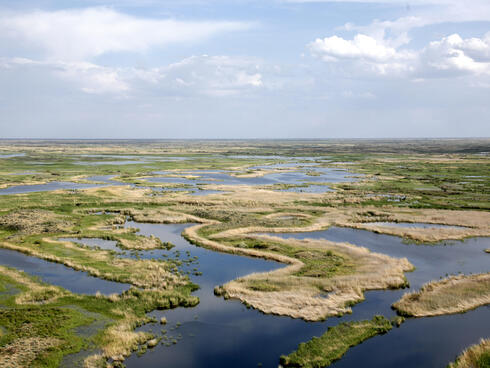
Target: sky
244	68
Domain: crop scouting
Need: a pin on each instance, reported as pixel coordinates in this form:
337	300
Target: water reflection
60	275
220	333
431	261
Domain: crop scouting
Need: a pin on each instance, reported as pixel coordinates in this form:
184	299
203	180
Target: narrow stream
60	275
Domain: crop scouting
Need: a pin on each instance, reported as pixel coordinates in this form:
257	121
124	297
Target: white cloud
453	55
423	13
215	75
449	57
82	34
365	52
197	75
93	78
88	77
361	47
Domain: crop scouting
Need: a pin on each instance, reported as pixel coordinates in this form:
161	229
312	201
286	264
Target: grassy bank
324	278
42	323
322	351
454	294
401	183
476	356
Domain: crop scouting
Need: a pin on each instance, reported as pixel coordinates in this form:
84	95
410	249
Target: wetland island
245	253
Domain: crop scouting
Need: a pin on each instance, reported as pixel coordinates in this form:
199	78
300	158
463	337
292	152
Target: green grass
322	351
462	183
264	285
60	318
484	360
40	321
44	322
318	263
476	356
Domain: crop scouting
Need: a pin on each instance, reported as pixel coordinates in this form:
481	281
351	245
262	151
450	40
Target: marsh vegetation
322	351
443	185
455	294
477	356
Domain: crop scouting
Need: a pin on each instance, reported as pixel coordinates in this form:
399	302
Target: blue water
10	155
60	275
417	225
105	179
224	333
298	177
431	261
55	185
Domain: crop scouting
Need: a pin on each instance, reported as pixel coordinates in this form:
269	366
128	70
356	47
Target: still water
219	333
60	275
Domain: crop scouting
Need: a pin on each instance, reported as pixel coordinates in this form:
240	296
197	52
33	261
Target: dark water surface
219	333
224	333
431	261
60	275
425	342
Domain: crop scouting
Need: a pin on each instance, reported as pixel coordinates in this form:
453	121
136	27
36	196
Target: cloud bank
205	75
82	34
450	56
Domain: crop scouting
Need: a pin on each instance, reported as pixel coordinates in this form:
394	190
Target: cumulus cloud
451	56
455	55
361	47
81	34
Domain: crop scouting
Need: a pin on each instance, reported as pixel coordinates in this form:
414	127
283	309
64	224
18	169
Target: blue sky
244	69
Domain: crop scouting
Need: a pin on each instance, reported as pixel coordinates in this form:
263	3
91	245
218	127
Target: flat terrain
236	196
455	294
